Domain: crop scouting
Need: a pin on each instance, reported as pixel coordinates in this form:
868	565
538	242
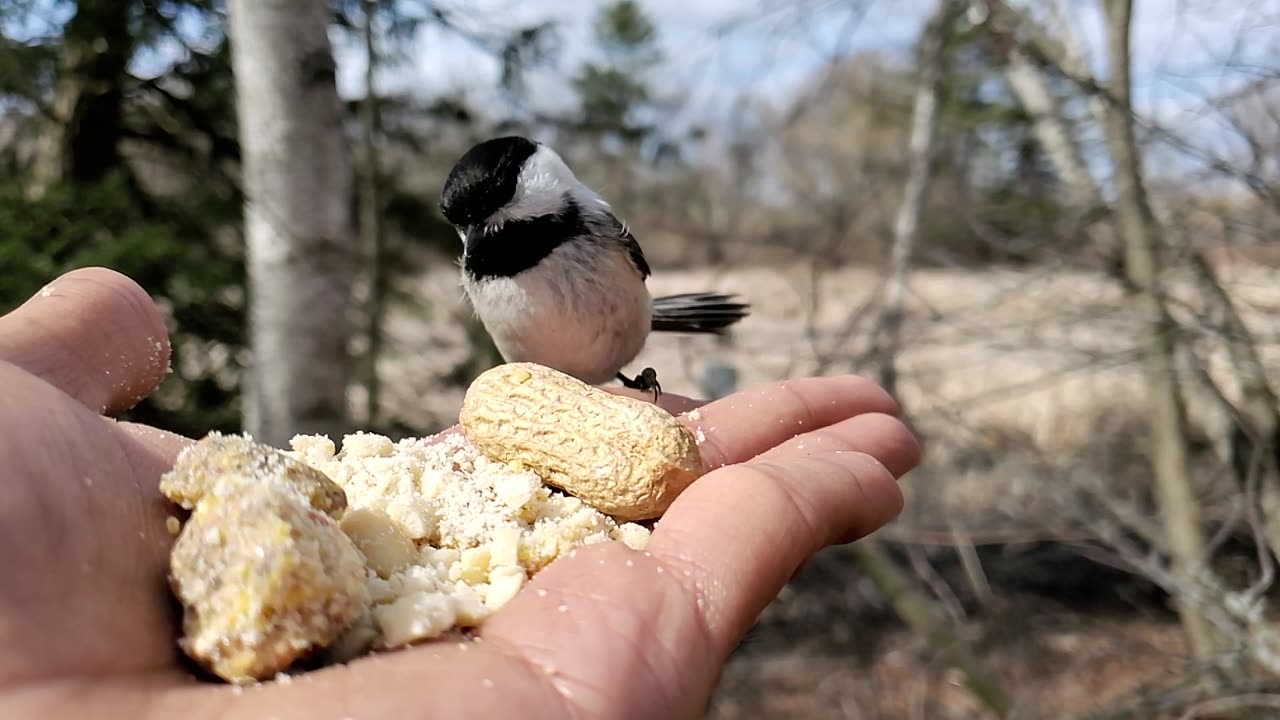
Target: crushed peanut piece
479	529
228	464
263	575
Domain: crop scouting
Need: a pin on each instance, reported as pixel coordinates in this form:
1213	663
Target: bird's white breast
583	310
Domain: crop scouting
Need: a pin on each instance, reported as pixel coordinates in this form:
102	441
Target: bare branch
920	152
1232	703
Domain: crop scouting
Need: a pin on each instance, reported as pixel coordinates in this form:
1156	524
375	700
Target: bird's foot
646	381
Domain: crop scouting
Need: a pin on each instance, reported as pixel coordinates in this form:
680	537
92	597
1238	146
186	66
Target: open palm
87	623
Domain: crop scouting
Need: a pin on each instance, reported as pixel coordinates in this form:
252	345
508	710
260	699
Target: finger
741	426
649	631
92	333
735	537
881	436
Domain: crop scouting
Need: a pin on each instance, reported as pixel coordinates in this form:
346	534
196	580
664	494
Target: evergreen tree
613	91
110	166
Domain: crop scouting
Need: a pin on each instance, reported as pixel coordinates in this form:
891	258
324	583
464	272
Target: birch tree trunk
1170	465
1051	131
301	250
913	604
920	152
1050	128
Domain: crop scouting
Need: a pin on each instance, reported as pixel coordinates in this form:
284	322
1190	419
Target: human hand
86	618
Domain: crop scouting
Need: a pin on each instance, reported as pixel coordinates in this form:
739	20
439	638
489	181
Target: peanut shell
625	457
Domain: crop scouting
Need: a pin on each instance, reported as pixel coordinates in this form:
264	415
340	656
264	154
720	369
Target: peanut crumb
451	536
263	571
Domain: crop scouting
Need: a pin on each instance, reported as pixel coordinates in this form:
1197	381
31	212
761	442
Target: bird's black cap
484	179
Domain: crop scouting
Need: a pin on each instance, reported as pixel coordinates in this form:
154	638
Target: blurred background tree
613	90
102	152
121	150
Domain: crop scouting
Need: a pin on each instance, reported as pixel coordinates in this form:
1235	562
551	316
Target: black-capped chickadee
555	277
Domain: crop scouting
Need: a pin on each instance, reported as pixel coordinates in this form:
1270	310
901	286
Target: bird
552	273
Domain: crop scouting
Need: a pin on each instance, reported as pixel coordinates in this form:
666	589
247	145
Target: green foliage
612	90
524	50
180	242
170	253
626	34
419	219
607	96
26	68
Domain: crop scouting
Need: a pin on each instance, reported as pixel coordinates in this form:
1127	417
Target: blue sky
1179	45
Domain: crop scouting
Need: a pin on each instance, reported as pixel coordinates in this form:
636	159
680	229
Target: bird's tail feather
702	312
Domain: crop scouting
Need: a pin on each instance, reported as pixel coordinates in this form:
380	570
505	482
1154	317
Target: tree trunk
1180	514
81	142
920	152
1030	85
912	604
371	237
301	254
1050	130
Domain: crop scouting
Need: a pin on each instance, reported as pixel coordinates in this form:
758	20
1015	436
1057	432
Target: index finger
747	423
